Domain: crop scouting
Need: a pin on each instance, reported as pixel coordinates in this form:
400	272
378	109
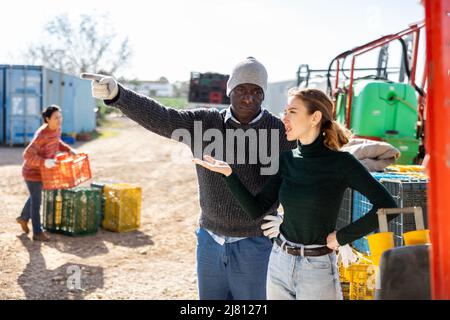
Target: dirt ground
155	262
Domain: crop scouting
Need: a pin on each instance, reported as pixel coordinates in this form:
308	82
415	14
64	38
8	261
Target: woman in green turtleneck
310	184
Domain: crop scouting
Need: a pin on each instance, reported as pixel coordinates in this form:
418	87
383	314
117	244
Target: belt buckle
294	250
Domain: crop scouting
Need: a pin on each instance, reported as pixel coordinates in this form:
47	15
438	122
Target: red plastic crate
215	97
70	171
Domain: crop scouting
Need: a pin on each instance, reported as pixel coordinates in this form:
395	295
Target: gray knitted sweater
220	212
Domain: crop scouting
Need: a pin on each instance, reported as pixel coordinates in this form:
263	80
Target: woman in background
41	152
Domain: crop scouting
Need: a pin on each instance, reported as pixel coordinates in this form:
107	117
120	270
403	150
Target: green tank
408	148
380	109
341	101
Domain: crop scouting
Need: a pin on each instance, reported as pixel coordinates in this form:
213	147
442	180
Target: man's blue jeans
33	205
233	271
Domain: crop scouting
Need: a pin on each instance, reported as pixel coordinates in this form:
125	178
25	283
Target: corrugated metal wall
22	103
2	109
26	90
85	119
74	97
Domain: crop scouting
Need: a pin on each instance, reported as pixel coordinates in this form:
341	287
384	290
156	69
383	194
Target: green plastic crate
49	207
72	211
101	186
375	111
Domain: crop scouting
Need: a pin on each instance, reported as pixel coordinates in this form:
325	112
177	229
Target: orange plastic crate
70	171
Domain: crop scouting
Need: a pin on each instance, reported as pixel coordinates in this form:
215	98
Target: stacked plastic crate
100	185
72	211
407	191
345	211
408	186
121	206
208	88
358	279
68	209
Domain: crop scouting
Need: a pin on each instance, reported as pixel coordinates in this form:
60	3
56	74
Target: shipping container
27	90
2	109
22	102
74	96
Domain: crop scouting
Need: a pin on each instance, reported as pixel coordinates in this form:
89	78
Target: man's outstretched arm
148	112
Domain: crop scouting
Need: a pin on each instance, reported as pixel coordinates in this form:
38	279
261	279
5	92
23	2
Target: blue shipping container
74	97
83	118
22	102
29	89
2	109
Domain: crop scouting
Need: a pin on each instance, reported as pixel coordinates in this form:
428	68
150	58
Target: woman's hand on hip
332	242
214	165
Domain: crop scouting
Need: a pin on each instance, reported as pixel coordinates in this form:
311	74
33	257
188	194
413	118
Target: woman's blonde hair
315	100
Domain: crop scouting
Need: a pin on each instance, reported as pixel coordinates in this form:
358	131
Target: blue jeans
302	278
233	271
33	205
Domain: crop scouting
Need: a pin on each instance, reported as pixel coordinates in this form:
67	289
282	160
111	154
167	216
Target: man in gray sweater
232	251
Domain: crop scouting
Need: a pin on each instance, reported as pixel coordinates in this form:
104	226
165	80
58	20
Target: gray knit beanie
248	71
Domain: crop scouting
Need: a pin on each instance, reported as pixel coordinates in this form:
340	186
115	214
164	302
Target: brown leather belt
297	251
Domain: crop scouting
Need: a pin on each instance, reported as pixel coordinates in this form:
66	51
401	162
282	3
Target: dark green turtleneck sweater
310	185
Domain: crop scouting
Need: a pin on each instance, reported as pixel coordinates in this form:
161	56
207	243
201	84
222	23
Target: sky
171	38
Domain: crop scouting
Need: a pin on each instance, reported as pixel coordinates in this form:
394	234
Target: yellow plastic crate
358	279
360	276
413	171
405	168
122	207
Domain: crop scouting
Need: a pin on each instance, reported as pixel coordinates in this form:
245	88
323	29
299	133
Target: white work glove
346	255
103	87
49	163
272	228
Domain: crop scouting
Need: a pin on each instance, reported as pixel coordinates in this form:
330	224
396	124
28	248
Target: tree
90	45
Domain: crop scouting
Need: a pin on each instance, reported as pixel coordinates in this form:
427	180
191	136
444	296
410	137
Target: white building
160	88
276	96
